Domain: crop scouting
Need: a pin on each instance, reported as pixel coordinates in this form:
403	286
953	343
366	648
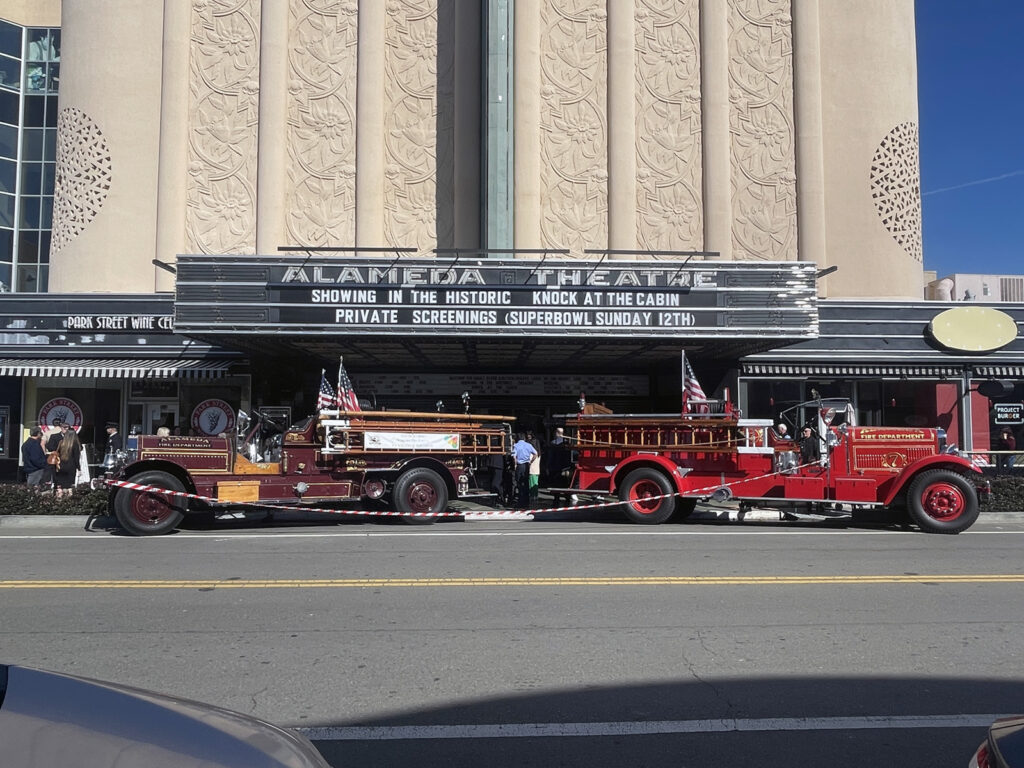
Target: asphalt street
548	642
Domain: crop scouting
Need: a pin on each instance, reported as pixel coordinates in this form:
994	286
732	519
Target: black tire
150	514
942	501
684	508
636	490
420	491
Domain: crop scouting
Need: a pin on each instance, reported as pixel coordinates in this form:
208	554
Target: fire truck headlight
300	488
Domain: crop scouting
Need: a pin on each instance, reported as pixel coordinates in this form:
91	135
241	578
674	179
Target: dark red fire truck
414	462
663	464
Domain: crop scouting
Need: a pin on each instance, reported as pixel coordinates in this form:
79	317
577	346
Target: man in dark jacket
810	452
33	458
114	442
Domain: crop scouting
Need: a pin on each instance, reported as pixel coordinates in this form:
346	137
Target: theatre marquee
324	296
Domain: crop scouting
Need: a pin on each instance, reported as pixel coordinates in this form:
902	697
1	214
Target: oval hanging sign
973	329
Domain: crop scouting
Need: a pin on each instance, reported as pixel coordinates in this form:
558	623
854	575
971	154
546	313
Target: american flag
346	398
325	397
692	391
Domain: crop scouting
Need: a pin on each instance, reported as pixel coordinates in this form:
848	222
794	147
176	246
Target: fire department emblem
894	460
61	409
211	417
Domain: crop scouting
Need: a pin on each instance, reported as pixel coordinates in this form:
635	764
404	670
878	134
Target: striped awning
115	368
1000	371
816	369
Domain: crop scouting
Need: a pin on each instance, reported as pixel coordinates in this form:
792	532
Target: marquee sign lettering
494	297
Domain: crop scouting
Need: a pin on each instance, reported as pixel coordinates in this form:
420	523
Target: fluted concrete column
271	169
370	125
173	163
526	119
714	68
810	157
621	125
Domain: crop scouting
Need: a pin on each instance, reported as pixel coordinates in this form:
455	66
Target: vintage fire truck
415	462
662	464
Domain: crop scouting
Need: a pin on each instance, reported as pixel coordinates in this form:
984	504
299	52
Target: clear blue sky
970	73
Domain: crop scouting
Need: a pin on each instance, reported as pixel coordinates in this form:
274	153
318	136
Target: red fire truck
413	461
662	464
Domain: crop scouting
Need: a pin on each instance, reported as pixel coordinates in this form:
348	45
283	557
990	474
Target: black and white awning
822	369
118	368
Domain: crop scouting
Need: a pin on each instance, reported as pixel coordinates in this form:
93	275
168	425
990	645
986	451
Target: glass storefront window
35	106
31	178
40	46
28	278
8	138
35	78
29	252
29	76
32	144
10	110
29	214
50	144
28	245
8	173
10	73
10	39
7	210
5	277
7	246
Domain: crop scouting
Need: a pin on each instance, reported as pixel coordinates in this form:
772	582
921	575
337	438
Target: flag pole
682	381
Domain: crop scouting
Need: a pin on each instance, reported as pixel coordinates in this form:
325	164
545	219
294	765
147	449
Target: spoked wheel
640	491
942	501
420	492
144	513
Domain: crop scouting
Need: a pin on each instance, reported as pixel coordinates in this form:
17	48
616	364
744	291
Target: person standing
523	453
114	441
52	443
70	453
557	457
1007	442
534	478
33	458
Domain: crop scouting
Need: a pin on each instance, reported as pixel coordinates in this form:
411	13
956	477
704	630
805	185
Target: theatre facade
535	199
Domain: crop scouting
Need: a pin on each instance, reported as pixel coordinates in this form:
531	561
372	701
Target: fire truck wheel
150	514
942	501
420	491
637	491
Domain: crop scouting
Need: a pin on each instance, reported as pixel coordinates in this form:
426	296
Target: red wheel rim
151	508
640	497
422	497
943	501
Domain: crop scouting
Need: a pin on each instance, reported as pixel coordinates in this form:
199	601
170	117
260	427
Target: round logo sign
61	409
213	416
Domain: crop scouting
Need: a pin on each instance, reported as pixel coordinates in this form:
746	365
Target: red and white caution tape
694	493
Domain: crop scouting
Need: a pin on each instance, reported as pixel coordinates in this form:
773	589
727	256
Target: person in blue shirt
523	454
33	458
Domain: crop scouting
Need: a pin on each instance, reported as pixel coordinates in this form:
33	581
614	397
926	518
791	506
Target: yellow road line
526	581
